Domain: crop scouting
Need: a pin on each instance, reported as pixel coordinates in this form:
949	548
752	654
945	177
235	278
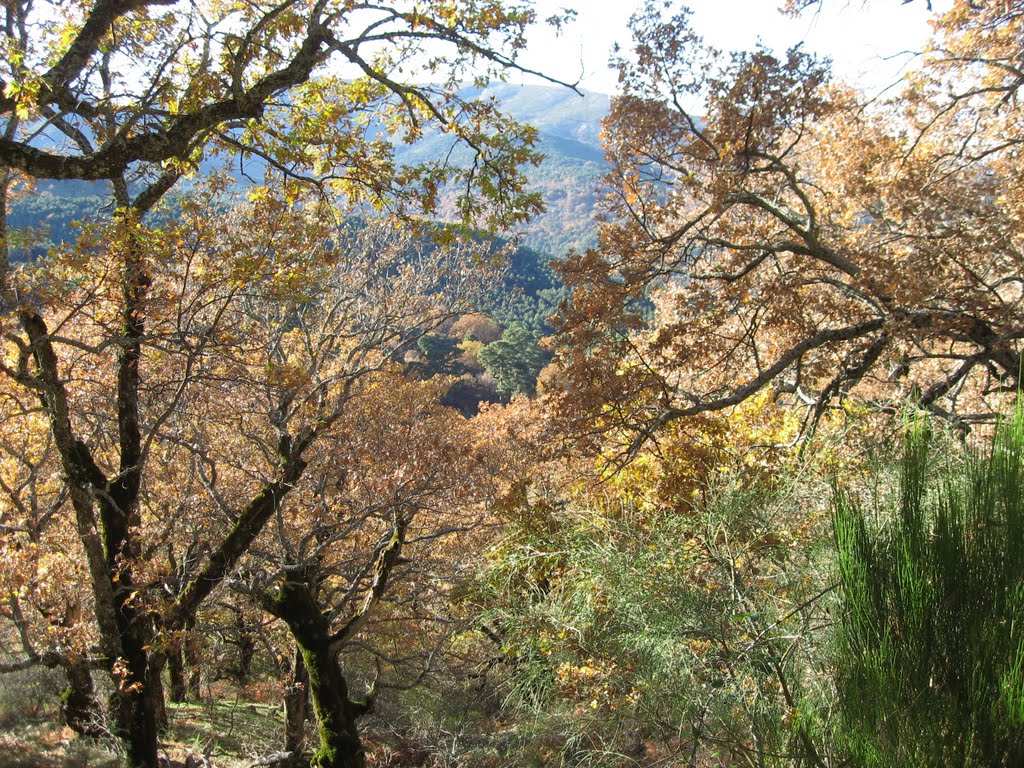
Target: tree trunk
296	702
193	660
79	708
194	684
340	746
135	706
138	694
136	674
176	673
156	684
247	645
137	727
183	665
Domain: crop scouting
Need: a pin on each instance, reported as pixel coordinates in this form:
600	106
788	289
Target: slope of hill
568	177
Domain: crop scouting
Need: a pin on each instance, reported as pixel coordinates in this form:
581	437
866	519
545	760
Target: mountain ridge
569	127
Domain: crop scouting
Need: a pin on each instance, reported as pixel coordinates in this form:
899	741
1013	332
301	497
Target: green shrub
930	646
628	636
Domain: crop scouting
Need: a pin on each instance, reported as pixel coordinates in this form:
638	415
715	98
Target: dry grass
228	733
231	733
44	744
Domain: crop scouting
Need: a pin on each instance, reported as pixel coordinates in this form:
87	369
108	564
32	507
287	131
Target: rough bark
247	644
80	710
176	672
135	701
193	661
340	746
184	667
125	631
296	704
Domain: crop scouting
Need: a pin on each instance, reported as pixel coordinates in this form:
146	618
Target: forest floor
230	727
214	733
41	743
224	732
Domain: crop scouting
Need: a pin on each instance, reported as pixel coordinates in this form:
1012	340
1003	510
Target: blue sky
864	38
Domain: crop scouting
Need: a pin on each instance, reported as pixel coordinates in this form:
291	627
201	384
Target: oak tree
130	340
358	567
799	237
166	457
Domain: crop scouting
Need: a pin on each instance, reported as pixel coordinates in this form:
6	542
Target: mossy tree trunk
340	746
295	603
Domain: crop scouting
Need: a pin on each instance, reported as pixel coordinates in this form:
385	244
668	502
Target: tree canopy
795	237
146	90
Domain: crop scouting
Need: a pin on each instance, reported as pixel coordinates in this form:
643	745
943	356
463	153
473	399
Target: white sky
864	39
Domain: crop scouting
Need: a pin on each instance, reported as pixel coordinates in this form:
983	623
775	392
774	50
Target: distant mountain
570	177
554	110
574	165
569	126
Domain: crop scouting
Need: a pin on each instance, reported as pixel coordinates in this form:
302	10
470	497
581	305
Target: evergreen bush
930	646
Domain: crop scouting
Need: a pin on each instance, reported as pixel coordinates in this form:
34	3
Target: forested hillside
529	291
569	127
351	416
568	180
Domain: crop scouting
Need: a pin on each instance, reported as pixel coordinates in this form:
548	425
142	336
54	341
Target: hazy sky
861	38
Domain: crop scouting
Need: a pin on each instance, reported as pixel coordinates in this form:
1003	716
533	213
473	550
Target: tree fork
340	746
